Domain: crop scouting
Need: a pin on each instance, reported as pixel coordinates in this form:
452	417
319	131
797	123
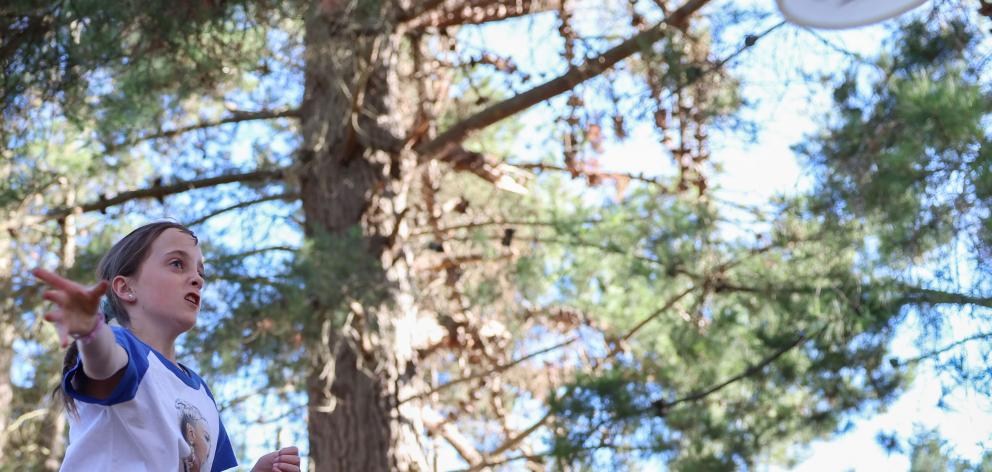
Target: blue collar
182	372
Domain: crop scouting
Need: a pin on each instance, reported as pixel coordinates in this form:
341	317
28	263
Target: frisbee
840	14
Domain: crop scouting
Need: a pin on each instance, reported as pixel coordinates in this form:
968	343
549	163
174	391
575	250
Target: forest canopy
429	247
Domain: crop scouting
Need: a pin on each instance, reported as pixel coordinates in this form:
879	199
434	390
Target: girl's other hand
77	312
286	459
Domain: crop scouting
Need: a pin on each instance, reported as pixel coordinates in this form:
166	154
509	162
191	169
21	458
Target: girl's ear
121	288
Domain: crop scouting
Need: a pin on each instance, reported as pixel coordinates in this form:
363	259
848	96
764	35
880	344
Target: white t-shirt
157	419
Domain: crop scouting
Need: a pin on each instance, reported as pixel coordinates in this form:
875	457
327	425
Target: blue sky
753	172
787	109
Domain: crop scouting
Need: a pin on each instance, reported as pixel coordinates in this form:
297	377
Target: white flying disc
839	14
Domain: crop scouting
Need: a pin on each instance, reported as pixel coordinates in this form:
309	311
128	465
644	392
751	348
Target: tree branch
510	443
640	177
448	140
156	191
285	197
955	344
911	295
574	241
919	295
494	370
481	224
663	407
477	12
493	463
236	116
499	174
261	250
425	7
462	445
668	305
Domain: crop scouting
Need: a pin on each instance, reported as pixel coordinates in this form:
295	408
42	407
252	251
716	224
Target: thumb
98	290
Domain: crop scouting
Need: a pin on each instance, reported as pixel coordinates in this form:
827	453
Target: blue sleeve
137	364
224	457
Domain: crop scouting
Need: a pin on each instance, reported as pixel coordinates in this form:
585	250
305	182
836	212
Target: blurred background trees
418	258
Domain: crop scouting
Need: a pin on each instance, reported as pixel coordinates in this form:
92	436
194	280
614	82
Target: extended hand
77	306
286	459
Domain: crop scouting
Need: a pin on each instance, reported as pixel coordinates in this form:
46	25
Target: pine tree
439	273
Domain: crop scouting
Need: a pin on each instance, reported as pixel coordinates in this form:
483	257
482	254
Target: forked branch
593	67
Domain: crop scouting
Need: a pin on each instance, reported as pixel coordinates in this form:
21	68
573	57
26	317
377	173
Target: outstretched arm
286	459
76	316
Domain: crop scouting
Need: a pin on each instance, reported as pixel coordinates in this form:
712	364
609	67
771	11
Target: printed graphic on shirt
193	427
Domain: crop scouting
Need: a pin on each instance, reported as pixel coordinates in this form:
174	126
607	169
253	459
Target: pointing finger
54	279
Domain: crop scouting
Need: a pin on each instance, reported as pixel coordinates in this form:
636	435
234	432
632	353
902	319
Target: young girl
132	406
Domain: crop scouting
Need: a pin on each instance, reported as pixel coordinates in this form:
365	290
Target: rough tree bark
6	389
353	90
367	125
7	336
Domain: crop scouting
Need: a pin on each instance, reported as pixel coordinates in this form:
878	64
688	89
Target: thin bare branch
453	136
493	463
935	353
494	370
425	7
640	177
477	12
486	168
260	250
285	197
510	443
237	116
662	406
926	296
162	191
667	306
482	224
462	445
155	191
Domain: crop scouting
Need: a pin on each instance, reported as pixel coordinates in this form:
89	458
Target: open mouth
193	298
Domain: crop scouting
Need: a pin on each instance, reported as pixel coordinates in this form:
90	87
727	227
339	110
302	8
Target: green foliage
702	343
144	47
749	298
929	451
909	154
604	407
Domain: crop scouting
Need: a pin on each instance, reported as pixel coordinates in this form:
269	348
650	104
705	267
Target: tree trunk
55	421
6	390
352	89
7	333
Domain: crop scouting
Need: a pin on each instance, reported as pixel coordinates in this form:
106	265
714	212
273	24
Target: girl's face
167	286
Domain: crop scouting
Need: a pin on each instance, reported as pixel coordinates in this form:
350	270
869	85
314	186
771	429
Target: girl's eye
177	264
